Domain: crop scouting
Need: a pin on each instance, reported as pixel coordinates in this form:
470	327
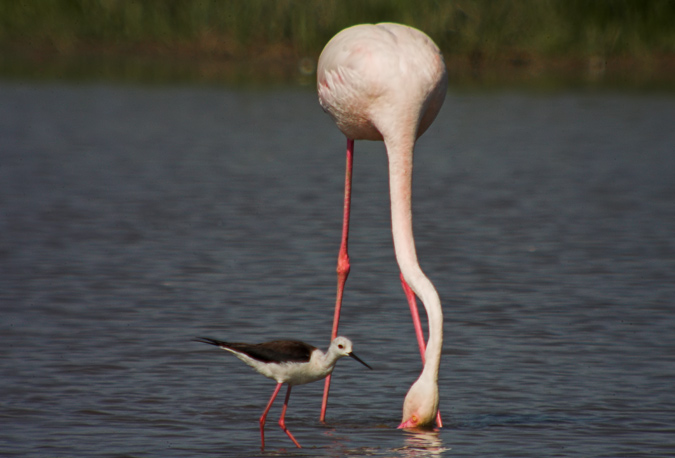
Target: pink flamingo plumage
388	82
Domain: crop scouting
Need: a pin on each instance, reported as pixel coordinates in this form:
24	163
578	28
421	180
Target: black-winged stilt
287	361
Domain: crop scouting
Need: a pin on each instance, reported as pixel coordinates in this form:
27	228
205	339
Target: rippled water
135	218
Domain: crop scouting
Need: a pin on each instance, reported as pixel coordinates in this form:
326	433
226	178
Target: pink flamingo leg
282	421
342	264
415	316
412	301
263	417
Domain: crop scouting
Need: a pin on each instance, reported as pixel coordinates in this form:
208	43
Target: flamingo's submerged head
421	404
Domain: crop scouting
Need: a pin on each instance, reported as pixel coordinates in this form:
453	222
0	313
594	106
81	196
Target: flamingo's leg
412	301
417	324
263	417
282	421
342	264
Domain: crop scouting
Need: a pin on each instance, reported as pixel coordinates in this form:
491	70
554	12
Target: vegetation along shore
280	40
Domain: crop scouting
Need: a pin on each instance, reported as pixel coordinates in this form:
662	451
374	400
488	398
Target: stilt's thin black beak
359	360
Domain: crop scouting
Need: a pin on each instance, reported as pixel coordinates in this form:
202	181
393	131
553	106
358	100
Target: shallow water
135	218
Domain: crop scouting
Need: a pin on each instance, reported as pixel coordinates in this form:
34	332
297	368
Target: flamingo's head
421	404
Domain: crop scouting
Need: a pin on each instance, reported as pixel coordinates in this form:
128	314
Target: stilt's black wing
276	351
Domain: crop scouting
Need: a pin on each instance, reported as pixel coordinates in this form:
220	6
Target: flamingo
388	82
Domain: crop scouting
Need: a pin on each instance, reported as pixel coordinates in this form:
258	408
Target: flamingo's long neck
400	153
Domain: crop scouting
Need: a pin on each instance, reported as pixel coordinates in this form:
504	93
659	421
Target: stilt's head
421	404
342	346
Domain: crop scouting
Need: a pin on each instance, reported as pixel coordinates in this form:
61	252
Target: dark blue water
135	218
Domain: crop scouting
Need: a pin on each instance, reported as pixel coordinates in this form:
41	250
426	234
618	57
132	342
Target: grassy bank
476	34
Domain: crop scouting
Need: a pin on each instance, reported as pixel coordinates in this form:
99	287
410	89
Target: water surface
135	218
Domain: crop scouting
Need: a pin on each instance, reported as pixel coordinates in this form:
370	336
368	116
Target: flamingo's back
375	78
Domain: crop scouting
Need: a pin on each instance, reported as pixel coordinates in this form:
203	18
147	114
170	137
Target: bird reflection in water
422	443
419	443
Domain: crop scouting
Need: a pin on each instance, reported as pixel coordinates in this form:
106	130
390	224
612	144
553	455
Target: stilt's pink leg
282	421
412	301
342	264
263	417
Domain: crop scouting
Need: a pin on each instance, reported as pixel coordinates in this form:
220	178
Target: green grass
478	33
541	27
